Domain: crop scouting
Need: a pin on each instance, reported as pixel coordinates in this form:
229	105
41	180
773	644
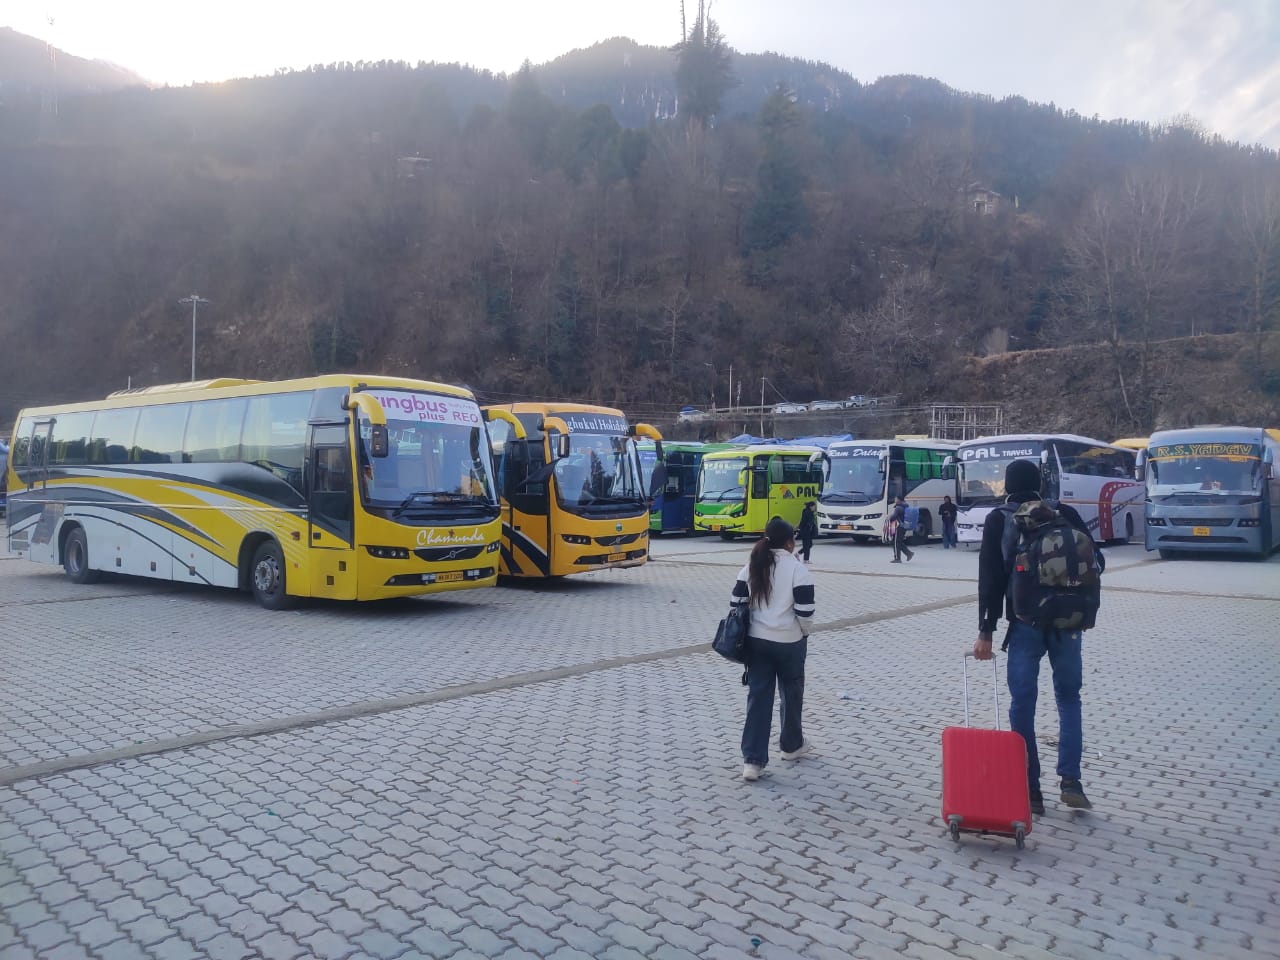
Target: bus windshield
857	476
980	470
1172	471
599	469
721	480
439	456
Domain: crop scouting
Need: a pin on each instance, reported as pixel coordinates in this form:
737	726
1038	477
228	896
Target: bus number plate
452	577
1201	532
615	557
715	527
845	526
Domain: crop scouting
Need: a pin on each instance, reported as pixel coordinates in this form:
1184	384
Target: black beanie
1022	476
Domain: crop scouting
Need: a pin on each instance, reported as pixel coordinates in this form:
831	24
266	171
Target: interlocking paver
600	814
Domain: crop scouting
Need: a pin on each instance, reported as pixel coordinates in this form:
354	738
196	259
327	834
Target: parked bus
672	510
1212	489
1098	479
740	490
343	487
864	477
572	495
1131	443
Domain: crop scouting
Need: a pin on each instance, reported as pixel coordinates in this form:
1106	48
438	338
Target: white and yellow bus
342	487
573	494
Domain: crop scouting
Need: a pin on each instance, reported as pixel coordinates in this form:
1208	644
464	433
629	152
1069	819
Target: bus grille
617	541
1201	521
439	554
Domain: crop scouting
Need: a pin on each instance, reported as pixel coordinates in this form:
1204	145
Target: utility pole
731	386
762	380
195	300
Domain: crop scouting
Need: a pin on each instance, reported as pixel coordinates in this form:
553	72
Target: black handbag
731	635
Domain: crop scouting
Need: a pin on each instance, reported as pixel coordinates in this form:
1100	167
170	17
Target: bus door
331	512
758	495
29	462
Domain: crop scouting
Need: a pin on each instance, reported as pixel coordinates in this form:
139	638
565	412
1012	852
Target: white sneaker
799	752
751	771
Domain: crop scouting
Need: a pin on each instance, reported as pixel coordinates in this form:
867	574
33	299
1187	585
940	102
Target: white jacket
788	615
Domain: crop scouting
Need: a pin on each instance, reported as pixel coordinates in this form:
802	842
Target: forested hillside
618	225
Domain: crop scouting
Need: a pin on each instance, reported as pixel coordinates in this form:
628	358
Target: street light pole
762	380
714	374
731	387
195	300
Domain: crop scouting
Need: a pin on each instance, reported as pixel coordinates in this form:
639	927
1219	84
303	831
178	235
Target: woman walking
779	591
808	529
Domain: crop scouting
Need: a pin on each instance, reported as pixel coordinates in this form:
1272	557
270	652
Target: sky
1215	60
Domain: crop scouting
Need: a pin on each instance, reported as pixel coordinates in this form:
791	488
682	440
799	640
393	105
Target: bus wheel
726	536
266	577
1128	528
1167	554
75	558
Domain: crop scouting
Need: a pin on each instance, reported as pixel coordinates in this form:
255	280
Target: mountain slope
29	65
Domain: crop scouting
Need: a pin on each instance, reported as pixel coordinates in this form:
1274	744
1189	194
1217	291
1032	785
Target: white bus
1098	479
864	476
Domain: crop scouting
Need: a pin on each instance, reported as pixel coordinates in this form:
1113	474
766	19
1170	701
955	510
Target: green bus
740	490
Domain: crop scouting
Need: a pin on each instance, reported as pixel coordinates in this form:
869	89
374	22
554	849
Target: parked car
858	400
790	408
826	405
690	415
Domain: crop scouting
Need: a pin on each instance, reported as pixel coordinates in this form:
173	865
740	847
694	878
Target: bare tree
1258	232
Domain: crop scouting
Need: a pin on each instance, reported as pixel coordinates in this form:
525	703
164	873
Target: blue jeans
948	534
1027	646
771	664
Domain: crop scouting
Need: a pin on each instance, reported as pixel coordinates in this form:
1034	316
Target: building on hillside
981	199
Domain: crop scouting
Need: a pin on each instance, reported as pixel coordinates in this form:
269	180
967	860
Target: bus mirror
658	482
1044	457
949	468
379	444
644	430
518	450
742	478
562	446
882	461
1140	467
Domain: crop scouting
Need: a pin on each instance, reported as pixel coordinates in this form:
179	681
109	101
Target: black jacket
993	578
808	528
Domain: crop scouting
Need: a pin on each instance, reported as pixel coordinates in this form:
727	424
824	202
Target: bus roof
1211	433
228	387
1131	443
1039	437
761	448
925	442
554	407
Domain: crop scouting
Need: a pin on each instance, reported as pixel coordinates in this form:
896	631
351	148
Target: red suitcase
984	776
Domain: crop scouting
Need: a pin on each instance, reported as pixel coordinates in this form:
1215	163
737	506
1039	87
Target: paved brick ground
600	814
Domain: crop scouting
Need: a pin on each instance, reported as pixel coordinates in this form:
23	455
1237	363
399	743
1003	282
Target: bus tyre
75	558
924	528
1128	528
266	577
1167	554
727	537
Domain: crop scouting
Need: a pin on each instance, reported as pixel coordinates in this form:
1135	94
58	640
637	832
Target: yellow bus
573	497
344	487
739	491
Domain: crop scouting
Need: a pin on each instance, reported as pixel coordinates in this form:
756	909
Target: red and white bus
1097	478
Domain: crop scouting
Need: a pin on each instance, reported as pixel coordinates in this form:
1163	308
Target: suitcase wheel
954	822
1020	837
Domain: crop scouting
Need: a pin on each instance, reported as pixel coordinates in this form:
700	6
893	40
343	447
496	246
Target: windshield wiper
438	497
845	496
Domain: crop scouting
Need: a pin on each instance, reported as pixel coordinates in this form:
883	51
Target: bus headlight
737	511
576	539
493	547
389	553
1156	522
872	516
1250	523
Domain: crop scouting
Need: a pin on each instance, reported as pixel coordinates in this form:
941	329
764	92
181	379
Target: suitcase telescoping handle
995	675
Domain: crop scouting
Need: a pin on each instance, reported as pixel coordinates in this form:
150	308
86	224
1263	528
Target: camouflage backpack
1054	569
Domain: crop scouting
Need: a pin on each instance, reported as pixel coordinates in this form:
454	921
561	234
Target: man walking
808	529
1027	645
898	520
948	514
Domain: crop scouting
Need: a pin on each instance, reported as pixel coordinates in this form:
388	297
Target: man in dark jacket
1027	646
808	529
898	520
947	511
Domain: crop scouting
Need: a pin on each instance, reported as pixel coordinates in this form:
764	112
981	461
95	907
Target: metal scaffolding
965	421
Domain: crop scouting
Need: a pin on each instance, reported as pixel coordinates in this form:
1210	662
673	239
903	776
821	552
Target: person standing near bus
898	521
779	591
1027	646
808	529
947	511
